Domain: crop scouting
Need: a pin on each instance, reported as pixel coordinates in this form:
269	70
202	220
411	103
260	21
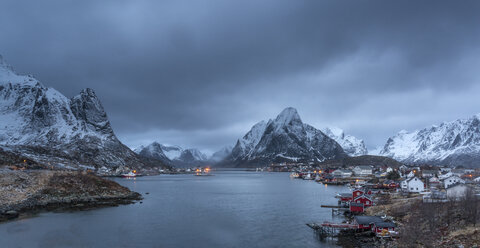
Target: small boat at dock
130	174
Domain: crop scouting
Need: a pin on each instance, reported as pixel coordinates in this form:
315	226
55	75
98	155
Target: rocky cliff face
450	143
44	125
286	138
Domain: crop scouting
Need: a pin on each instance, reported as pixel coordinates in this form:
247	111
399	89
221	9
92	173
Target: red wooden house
357	192
345	197
365	199
379	227
356	207
366	222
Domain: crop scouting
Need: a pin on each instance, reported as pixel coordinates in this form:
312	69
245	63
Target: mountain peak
9	76
288	115
286	138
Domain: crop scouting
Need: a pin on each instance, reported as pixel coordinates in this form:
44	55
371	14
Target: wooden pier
333	206
328	229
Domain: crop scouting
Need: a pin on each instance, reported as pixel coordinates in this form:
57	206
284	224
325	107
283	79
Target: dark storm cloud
200	73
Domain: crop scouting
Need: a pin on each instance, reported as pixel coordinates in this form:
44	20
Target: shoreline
26	193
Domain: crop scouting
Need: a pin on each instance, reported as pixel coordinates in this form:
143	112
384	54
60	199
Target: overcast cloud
201	73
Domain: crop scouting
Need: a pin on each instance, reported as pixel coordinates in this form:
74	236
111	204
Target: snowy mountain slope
172	152
191	157
350	144
286	138
47	126
450	143
221	154
154	151
174	155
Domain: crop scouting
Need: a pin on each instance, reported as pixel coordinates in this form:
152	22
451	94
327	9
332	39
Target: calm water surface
230	209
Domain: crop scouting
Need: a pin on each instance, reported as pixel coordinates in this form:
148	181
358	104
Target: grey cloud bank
200	74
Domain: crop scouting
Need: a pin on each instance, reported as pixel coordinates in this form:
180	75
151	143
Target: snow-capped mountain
173	155
191	157
450	143
154	151
172	152
48	127
286	138
350	144
221	154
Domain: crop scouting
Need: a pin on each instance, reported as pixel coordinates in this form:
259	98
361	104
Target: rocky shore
23	192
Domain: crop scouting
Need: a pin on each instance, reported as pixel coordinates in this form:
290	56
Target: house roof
410	179
367	220
456	185
345	194
364	167
355	204
452	176
385	224
360	196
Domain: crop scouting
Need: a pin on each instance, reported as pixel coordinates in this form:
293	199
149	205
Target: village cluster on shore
405	206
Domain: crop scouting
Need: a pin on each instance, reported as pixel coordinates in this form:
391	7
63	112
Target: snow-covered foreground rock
285	138
44	125
450	143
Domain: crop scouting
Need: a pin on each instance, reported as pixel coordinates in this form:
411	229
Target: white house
452	180
445	176
457	191
429	173
342	173
411	174
363	170
389	169
445	169
477	180
458	172
413	184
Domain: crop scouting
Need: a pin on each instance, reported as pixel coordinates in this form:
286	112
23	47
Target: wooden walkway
327	229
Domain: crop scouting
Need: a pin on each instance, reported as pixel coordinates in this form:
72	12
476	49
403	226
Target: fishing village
405	206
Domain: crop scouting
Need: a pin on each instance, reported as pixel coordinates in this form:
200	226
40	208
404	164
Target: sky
201	73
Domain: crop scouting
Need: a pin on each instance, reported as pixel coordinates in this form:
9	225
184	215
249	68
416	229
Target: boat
204	172
294	175
130	174
308	177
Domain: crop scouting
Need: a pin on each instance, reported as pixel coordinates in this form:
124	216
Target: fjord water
230	209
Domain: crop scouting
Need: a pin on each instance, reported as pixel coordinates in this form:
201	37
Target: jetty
328	229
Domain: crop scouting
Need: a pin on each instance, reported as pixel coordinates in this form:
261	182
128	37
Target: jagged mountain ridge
44	125
174	155
350	144
286	138
450	143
